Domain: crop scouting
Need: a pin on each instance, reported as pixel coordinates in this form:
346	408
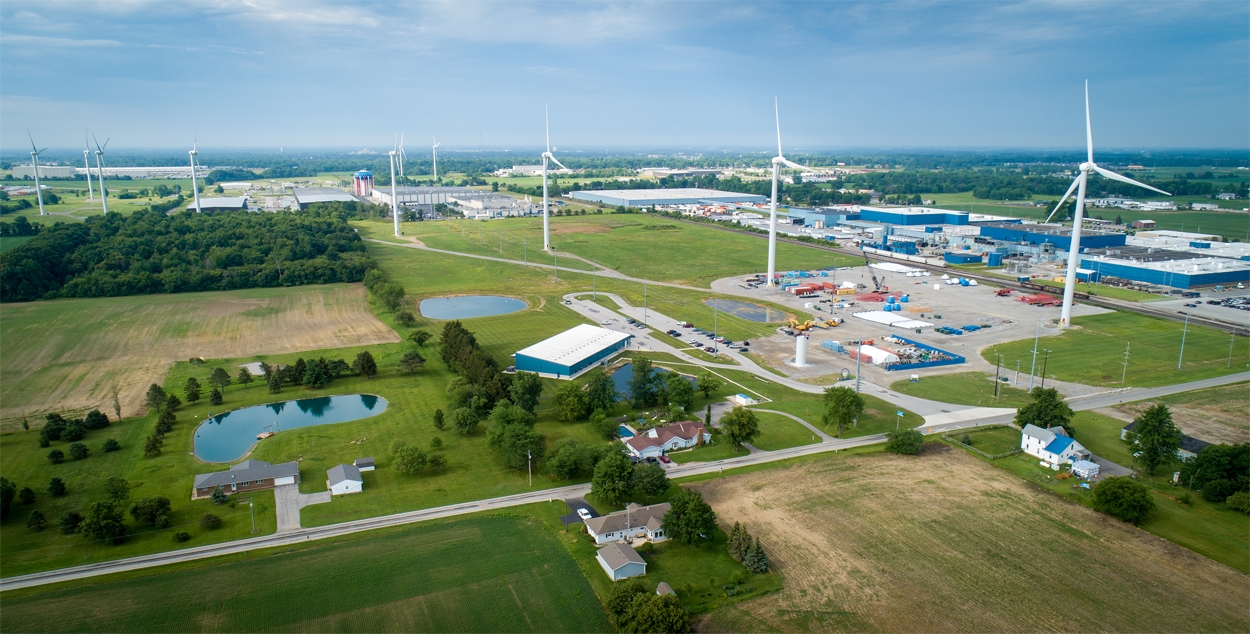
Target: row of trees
57	428
154	252
156	399
747	550
480	385
19	227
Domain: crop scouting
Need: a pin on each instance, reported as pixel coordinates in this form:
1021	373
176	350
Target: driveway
289	501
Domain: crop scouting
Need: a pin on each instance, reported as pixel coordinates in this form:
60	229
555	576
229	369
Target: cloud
11	39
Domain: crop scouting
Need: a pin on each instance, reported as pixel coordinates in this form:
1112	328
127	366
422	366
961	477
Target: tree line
152	252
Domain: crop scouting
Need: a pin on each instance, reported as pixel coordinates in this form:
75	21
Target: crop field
483	574
1218	414
64	355
1093	353
690	254
965	388
864	543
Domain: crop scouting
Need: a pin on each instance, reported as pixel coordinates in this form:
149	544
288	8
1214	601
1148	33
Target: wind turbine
778	161
195	154
1069	281
34	161
547	156
87	164
394	201
99	166
435	150
402	155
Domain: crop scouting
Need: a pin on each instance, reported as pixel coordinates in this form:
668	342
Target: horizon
627	75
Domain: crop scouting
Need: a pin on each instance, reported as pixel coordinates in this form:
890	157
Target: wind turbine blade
1089	132
777	114
32	141
97	142
106	143
40	151
1124	179
796	165
1076	181
557	162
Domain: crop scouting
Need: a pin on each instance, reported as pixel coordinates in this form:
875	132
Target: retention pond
466	306
228	436
747	310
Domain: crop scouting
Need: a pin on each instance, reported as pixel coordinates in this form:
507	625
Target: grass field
780	432
1218	414
63	355
627	243
994	440
864	543
496	574
964	388
1093	353
9	243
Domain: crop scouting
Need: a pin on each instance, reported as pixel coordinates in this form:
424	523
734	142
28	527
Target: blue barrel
904	299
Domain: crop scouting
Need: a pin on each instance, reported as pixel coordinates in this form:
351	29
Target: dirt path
944	542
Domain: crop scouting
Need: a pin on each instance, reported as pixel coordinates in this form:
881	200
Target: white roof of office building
222	202
574	344
693	193
310	195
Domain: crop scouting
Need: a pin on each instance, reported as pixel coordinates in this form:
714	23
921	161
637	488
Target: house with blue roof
1052	445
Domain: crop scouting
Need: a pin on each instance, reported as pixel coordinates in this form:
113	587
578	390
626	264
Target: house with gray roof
621	561
1187	450
249	475
636	521
343	479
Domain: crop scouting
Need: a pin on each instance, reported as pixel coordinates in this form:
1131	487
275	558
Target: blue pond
465	306
623	375
747	310
227	437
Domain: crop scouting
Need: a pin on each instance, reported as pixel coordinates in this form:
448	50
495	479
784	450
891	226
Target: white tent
877	355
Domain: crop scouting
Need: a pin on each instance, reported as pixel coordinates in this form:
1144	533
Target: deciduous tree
740	426
78	451
651	613
1047	410
96	420
612	478
525	390
642	384
419	337
842	407
8	491
151	509
1155	438
69	522
56	456
690	519
708	383
104	522
57	487
679	390
26	495
1123	498
464	420
600	391
904	441
412	361
650	480
410	460
569	403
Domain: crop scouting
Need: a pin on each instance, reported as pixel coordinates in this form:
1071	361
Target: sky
700	76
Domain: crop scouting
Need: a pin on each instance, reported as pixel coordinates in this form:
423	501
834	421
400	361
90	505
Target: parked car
720	339
652	460
693	342
605	322
583	513
568	301
746	343
665	459
709	349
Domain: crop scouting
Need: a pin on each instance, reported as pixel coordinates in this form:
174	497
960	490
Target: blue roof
1057	445
363	173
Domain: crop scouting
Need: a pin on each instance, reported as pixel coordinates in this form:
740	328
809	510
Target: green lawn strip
992	440
781	432
520	240
720	449
1101	435
963	388
878	415
762	362
1093	353
483	573
690	350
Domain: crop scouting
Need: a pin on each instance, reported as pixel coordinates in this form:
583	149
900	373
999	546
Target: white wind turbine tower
402	155
435	150
547	156
194	153
87	164
394	200
778	161
34	161
99	166
1069	282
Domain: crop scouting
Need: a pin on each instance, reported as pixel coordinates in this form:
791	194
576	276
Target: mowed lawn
483	574
64	355
946	542
964	388
639	245
781	432
1094	353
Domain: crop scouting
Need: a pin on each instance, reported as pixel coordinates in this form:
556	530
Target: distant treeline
152	252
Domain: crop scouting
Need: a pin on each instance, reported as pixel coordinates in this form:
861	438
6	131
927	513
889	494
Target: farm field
1218	414
1093	353
862	544
964	388
628	243
63	355
499	574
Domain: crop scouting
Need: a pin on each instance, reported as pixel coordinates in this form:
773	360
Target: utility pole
1016	382
1033	368
1231	340
525	251
500	243
252	506
859	352
555	263
1044	360
529	465
715	343
998	369
1124	373
644	303
594	281
1183	333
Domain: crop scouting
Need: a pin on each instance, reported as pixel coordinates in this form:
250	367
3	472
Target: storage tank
996	259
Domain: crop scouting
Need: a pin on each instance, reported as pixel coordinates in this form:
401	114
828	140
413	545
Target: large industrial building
411	196
676	196
228	203
1177	269
572	352
913	216
1057	235
45	171
305	196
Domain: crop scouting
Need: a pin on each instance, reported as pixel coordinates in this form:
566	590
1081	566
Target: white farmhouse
1052	445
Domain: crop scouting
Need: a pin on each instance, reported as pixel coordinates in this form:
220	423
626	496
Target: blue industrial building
675	196
572	352
821	218
1060	237
1168	268
913	216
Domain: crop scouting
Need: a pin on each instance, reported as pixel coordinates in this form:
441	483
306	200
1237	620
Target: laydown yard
945	542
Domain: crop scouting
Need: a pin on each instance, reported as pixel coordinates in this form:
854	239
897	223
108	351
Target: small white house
621	561
636	521
1052	445
343	479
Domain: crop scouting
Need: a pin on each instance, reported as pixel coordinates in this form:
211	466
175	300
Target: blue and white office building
572	352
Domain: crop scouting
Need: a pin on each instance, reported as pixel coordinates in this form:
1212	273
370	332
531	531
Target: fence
953	360
947	438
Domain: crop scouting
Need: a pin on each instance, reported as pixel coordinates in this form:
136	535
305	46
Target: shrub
111	445
219	496
74	431
56	487
905	441
1123	498
405	318
210	521
438	462
1239	501
26	495
70	521
1218	490
78	451
56	456
96	420
437	442
36	521
181	536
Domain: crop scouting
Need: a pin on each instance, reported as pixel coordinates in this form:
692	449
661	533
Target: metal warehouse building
305	196
913	216
677	196
572	352
1059	236
1176	269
